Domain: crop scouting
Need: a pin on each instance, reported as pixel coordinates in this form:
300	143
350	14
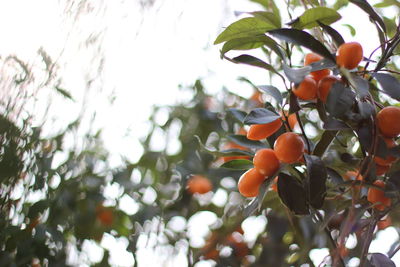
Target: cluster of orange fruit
318	83
288	148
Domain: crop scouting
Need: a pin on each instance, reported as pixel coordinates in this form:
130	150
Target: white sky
148	53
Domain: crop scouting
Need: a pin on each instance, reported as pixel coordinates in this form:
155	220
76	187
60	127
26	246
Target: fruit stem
303	132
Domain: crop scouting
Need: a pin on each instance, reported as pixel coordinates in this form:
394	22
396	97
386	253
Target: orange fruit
375	195
266	162
249	183
389	159
381	169
349	55
385	223
319	74
289	147
105	215
292	119
262	131
324	86
307	89
388	121
199	184
232	145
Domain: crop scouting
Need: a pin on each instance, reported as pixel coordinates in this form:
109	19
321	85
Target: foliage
50	207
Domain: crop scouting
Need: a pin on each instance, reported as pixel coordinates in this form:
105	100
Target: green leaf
389	84
336	37
238	164
246	27
310	18
252	42
292	194
351	29
225	153
272	91
243	141
340	99
261	116
237	114
302	38
64	93
245	43
268	17
256	62
364	5
317	176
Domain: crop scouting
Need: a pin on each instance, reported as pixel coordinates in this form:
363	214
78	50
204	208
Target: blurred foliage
54	199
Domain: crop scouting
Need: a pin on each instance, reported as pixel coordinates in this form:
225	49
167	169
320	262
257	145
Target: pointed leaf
256	62
292	194
296	75
268	17
381	260
336	37
239	115
390	85
324	142
335	125
304	39
317	175
340	99
243	141
238	164
272	91
361	85
364	5
310	18
224	153
260	116
244	28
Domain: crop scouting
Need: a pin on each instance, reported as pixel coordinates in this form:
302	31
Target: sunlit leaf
312	16
272	91
246	27
238	164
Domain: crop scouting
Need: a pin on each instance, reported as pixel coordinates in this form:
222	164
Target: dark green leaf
361	85
293	103
260	116
334	176
389	84
272	91
243	141
336	37
304	39
335	125
340	99
239	115
238	164
225	153
317	175
364	5
310	18
322	64
64	92
256	62
246	27
37	208
381	260
296	75
324	142
256	203
292	194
